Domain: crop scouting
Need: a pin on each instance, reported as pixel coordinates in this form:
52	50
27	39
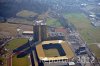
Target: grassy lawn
53	22
20	61
95	49
13	44
89	33
51	52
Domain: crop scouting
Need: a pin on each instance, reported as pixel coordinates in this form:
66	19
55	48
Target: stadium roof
65	46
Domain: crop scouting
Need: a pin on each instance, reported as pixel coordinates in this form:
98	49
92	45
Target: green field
15	43
53	22
26	14
20	61
88	32
95	49
51	52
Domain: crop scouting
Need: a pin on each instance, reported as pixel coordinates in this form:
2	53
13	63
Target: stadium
54	50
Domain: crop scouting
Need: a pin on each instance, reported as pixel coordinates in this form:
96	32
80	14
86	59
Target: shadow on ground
21	48
24	53
24	50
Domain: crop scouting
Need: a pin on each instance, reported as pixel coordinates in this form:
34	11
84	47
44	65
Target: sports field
51	52
54	50
15	43
25	61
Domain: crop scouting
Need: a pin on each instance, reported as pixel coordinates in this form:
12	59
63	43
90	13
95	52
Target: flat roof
29	32
65	46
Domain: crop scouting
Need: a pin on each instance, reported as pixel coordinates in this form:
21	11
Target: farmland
53	22
88	32
7	29
95	49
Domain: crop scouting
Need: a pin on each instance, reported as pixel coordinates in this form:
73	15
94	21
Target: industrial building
27	32
56	36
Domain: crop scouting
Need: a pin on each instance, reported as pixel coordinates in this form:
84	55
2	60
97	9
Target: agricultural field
26	14
7	29
22	20
53	22
88	32
95	49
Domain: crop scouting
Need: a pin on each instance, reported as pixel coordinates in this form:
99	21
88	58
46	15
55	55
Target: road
9	59
5	42
76	41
